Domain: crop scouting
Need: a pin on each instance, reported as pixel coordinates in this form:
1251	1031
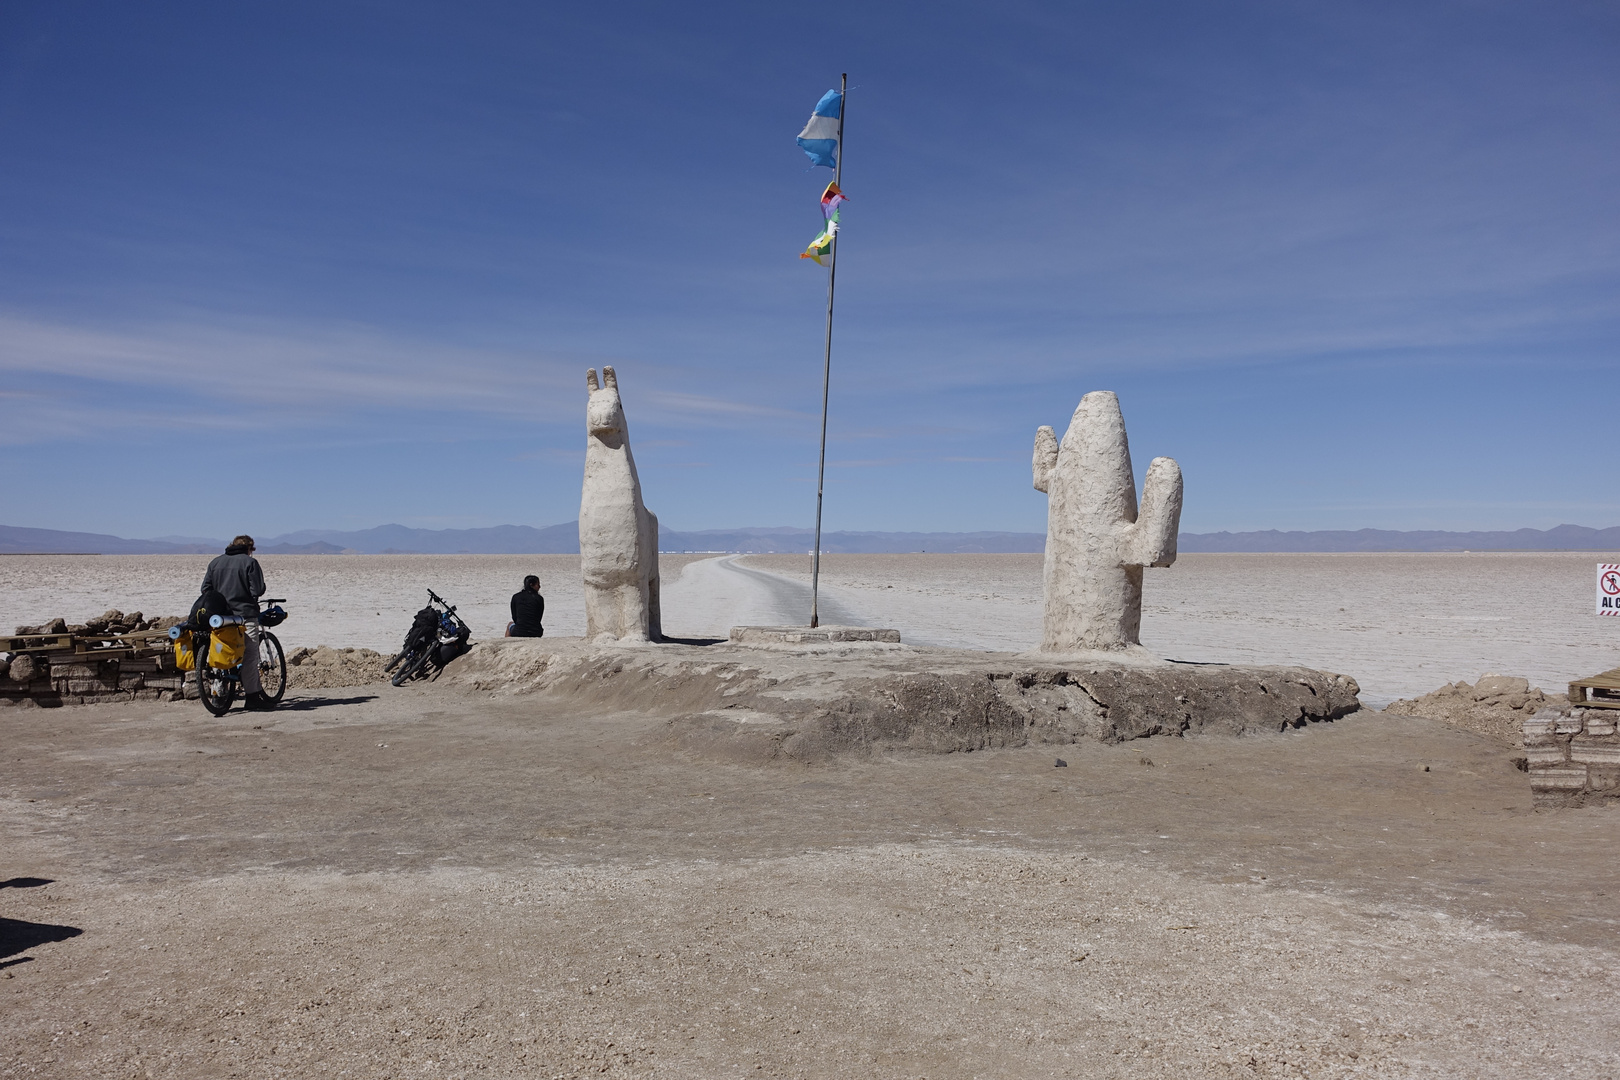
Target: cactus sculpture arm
1097	542
1154	534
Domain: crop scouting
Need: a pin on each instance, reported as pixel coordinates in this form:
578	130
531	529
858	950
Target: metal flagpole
826	370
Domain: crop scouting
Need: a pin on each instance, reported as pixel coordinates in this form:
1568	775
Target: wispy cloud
675	403
294	373
207	374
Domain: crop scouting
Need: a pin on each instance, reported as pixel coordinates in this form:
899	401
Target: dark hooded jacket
528	608
237	577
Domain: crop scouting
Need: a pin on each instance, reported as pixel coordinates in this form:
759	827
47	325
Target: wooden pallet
98	645
109	644
36	643
1601	691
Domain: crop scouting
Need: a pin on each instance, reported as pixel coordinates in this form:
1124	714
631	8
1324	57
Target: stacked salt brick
1574	757
46	670
67	679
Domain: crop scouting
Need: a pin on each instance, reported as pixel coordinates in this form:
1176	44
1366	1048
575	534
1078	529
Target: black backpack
210	602
424	629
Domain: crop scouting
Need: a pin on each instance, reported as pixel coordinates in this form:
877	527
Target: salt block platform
816	700
804	635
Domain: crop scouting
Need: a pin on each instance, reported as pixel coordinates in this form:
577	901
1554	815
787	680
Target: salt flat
1401	624
365	601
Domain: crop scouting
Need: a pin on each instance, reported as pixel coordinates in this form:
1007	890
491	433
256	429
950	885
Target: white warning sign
1608	589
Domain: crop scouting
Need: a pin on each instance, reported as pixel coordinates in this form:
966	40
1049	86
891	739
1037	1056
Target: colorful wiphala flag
819	139
831	200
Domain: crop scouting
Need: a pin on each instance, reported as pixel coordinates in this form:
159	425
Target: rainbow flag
831	200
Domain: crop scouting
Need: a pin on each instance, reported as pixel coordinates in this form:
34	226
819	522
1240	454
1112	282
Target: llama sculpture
1096	543
618	535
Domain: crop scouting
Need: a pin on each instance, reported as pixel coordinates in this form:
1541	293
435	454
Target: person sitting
528	608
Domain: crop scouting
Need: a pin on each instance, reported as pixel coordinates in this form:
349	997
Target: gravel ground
1496	706
425	882
324	667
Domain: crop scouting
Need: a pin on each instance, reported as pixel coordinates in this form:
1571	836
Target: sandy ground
1495	707
419	882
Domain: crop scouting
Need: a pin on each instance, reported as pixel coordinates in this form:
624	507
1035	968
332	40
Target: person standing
528	608
236	576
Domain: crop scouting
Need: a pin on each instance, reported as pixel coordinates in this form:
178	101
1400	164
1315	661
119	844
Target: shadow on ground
18	936
25	882
307	704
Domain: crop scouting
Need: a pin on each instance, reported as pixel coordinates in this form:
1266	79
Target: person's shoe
259	702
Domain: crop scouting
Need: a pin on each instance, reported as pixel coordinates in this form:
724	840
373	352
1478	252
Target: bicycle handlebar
448	606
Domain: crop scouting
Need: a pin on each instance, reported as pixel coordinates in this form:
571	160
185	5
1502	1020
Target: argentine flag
819	139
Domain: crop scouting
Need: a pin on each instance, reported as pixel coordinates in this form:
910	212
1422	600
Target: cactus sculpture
618	535
1096	542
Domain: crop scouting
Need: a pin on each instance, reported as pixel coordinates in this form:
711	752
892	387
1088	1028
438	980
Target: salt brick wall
80	680
1575	759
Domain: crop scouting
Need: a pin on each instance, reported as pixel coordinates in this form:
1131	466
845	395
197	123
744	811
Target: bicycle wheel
419	667
407	661
412	666
216	690
272	667
406	656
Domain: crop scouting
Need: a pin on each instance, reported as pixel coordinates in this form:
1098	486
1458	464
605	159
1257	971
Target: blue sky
269	267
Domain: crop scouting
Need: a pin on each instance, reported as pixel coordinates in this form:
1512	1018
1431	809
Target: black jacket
528	608
237	577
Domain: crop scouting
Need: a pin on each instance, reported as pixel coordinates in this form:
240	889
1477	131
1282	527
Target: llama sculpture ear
1046	455
590	379
609	379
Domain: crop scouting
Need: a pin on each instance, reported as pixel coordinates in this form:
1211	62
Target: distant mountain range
510	540
564	540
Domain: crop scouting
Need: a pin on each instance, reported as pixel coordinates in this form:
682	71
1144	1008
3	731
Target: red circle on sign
1610	583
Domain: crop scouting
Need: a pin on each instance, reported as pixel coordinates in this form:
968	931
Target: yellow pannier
184	658
226	647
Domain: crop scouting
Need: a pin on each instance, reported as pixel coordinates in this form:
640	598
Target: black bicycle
435	638
217	686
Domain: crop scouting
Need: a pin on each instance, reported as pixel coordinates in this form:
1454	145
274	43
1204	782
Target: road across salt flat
709	597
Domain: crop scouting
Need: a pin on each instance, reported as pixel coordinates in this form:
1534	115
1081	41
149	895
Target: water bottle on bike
217	646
